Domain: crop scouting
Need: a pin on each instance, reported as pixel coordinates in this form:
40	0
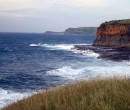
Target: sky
57	15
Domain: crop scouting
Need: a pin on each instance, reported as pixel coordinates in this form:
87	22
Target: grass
98	94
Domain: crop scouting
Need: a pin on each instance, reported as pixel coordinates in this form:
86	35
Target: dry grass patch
103	94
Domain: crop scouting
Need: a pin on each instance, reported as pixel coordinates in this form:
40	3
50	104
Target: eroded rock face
113	34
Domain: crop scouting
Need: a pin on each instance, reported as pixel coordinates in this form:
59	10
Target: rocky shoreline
108	53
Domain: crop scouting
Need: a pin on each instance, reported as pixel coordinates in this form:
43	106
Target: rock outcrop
114	34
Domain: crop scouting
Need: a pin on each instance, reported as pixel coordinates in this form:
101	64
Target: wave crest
54	46
8	96
67	47
67	72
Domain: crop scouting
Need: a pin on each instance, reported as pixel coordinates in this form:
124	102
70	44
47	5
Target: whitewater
35	62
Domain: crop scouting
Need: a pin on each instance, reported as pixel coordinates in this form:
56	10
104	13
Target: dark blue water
32	62
23	67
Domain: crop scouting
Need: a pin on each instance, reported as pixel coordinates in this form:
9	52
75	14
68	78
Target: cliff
81	30
114	33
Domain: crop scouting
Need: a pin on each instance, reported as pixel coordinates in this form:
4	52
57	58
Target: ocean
32	62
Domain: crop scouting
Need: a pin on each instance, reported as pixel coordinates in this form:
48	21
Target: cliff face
113	33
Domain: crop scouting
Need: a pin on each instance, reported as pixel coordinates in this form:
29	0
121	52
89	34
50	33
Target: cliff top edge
117	22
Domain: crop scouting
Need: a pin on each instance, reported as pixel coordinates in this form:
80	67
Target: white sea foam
88	53
111	68
68	47
67	72
8	97
35	45
127	62
56	46
59	46
108	69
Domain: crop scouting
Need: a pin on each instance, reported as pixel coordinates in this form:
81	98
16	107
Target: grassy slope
103	94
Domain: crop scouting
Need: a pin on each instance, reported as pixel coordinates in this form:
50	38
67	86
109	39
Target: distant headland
114	33
54	33
75	31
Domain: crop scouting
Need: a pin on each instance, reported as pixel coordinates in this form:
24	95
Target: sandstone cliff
113	33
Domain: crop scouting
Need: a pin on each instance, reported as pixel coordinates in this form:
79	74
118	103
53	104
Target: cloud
20	4
15	4
52	5
59	14
86	3
13	14
24	8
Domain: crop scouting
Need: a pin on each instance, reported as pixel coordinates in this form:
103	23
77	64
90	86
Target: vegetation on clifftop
117	22
103	94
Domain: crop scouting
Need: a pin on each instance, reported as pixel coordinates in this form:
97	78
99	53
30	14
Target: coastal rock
113	34
107	53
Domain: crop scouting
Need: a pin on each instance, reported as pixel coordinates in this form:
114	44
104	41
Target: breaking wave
8	97
67	47
88	53
67	72
88	71
54	47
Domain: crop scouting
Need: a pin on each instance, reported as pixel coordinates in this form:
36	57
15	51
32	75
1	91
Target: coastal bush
117	22
96	94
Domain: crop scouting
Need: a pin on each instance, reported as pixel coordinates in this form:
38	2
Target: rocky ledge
107	53
113	34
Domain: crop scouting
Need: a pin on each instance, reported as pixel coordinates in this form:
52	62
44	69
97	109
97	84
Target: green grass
97	94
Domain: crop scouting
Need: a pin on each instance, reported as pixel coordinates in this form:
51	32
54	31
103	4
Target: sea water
32	62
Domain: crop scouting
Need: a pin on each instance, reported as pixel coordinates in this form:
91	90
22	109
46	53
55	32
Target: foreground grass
103	94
